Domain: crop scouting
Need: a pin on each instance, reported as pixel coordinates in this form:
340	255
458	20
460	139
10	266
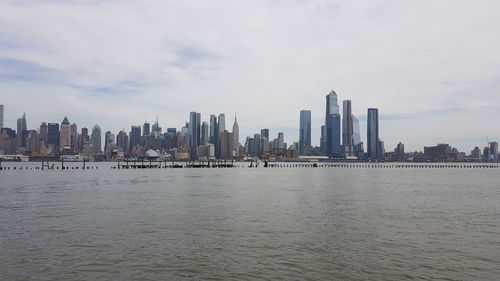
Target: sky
431	67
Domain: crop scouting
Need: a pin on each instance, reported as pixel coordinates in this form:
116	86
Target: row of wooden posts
426	166
145	164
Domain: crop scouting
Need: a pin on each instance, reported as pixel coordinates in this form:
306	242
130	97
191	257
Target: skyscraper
44	133
83	138
221	127
194	131
135	137
264	133
74	138
332	125
356	134
53	135
304	131
227	145
205	132
356	137
322	140
213	128
21	128
347	129
222	122
372	136
146	129
493	150
65	135
122	141
281	141
109	139
236	137
1	116
96	139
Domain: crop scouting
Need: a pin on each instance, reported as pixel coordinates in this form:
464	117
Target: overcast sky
431	67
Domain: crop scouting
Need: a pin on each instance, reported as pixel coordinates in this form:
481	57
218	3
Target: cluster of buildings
340	134
211	139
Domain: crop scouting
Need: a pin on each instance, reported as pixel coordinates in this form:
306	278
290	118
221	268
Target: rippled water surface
250	224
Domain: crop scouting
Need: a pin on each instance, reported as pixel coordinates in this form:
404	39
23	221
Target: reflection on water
250	224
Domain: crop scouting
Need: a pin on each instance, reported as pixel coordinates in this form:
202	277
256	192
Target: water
250	224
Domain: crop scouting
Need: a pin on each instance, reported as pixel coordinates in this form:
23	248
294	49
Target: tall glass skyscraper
264	133
21	128
135	137
372	133
347	129
213	128
194	131
96	140
204	132
304	130
53	135
332	125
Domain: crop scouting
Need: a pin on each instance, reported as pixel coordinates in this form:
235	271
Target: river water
250	224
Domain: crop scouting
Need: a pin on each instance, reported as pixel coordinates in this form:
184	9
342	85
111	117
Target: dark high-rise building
372	136
96	140
74	138
83	138
304	131
169	137
264	133
322	140
135	137
122	141
146	129
347	129
194	132
21	128
85	132
493	150
332	125
213	128
204	132
53	135
257	149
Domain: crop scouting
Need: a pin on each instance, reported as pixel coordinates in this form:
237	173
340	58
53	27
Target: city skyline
142	63
207	134
198	140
